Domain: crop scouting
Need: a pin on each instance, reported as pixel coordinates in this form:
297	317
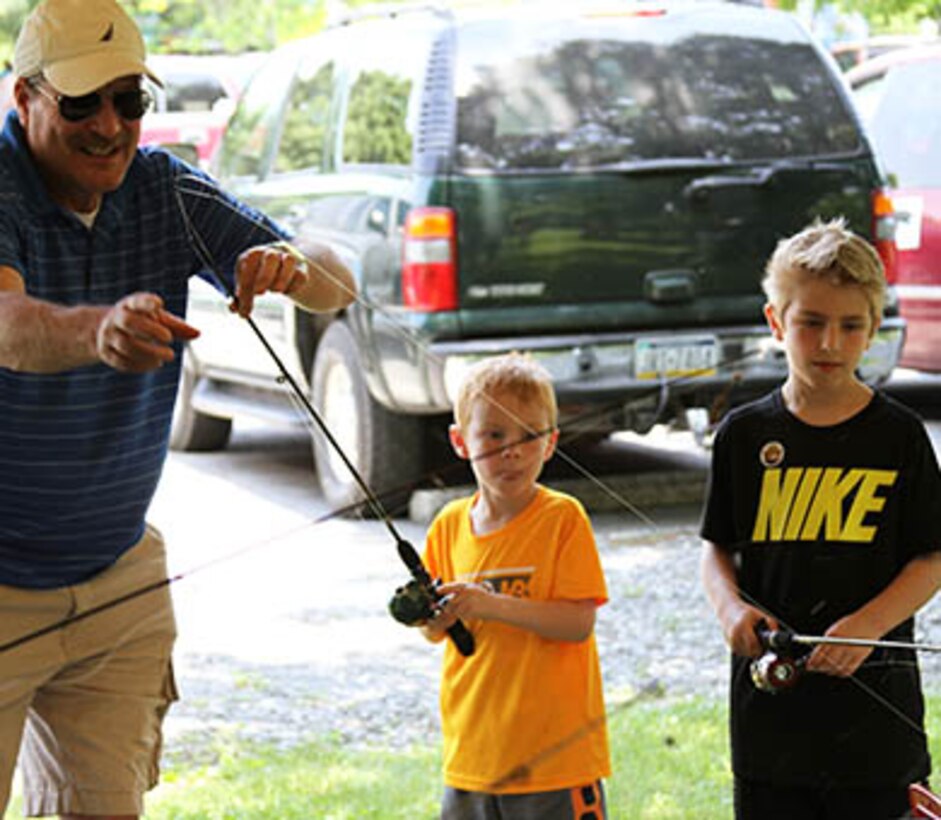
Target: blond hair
827	251
514	373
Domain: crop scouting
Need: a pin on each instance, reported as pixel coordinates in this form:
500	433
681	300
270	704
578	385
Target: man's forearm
39	337
331	285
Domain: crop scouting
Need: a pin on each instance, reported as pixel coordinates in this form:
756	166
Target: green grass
322	781
670	761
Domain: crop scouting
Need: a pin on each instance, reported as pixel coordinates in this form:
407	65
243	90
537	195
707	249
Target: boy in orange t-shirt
523	717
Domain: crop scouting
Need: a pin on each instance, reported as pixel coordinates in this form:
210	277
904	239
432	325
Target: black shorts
767	801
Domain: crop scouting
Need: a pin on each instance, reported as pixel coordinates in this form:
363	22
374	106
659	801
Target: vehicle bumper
694	368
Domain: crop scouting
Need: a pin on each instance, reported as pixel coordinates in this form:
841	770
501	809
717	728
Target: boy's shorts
767	801
88	699
581	803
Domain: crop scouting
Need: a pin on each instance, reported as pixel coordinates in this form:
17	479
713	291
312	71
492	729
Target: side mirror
376	220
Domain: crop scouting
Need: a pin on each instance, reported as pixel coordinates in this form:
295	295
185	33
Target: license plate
675	357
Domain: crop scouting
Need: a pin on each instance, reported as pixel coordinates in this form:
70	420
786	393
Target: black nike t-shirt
820	520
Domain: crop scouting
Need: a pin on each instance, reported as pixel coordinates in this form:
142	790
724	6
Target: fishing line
337	513
158	585
458	632
411	336
297	394
374	503
523	771
862	685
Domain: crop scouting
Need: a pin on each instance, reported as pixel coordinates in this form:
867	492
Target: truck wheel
191	430
385	447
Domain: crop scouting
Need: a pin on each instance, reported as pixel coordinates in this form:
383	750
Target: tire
384	447
191	430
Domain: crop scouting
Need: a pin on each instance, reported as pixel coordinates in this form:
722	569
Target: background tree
198	26
882	15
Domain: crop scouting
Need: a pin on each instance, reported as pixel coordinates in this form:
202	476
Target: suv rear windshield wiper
761	175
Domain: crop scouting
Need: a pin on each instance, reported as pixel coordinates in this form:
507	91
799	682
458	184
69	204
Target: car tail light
634	13
429	260
655	9
883	233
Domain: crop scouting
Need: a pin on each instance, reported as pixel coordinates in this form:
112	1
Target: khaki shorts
88	699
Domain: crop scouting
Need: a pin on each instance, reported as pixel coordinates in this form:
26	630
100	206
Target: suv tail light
883	233
429	260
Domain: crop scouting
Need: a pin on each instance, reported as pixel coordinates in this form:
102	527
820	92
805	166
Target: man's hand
277	268
136	335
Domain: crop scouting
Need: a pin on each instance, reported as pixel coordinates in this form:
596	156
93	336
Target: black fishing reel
778	668
419	600
412	604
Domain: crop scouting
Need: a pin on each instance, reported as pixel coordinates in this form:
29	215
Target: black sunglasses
130	105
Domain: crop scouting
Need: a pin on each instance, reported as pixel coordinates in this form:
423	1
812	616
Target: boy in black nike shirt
823	516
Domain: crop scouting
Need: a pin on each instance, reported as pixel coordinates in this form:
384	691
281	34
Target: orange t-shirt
521	699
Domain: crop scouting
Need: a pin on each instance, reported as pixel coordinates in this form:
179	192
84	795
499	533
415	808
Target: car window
192	92
380	117
304	131
906	125
867	96
251	130
594	93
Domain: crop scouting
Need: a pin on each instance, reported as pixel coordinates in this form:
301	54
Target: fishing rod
409	604
371	499
780	667
422	587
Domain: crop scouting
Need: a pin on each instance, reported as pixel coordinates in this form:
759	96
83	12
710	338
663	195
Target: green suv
600	189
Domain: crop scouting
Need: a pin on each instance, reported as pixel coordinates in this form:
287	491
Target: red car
193	107
897	97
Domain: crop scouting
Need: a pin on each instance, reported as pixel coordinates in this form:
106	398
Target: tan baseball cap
80	45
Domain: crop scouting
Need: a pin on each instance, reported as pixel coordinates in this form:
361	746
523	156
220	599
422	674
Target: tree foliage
224	25
198	26
881	12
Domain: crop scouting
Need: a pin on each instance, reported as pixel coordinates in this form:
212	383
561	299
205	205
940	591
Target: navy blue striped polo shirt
81	451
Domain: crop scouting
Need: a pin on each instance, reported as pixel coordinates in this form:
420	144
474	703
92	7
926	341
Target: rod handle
462	637
775	640
457	632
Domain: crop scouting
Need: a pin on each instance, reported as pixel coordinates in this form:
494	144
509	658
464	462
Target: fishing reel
419	600
778	668
412	604
776	673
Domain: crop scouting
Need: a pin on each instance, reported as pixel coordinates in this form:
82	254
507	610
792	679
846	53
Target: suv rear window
556	96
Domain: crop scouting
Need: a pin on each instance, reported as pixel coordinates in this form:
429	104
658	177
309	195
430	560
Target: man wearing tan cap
96	249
